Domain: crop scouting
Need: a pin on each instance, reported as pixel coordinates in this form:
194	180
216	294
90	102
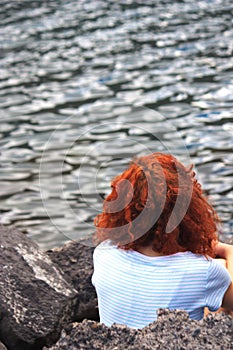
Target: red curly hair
158	202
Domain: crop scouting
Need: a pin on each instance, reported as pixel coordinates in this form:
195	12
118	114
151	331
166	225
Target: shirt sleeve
95	253
98	257
218	281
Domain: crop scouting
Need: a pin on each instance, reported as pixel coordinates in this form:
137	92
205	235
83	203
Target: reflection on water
80	84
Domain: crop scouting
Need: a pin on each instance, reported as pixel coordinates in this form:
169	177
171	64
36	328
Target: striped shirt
131	286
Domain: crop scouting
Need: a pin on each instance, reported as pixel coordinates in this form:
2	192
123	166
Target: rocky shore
48	302
172	330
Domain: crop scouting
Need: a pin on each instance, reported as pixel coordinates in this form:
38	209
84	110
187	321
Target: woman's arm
225	251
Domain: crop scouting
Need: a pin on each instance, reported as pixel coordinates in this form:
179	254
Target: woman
157	236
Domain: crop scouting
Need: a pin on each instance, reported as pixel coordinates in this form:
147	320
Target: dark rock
36	300
2	347
75	260
172	330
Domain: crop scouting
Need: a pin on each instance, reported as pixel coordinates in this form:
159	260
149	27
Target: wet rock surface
172	330
36	300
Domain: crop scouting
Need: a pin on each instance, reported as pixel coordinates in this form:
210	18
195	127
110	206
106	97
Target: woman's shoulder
105	244
104	247
107	248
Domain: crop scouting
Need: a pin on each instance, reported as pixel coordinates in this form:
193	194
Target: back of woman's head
158	202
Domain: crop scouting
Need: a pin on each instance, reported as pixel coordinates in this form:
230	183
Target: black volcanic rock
36	300
75	260
2	347
173	330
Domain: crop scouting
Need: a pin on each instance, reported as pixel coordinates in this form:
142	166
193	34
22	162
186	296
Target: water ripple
85	85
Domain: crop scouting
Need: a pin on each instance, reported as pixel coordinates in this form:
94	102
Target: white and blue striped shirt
131	286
